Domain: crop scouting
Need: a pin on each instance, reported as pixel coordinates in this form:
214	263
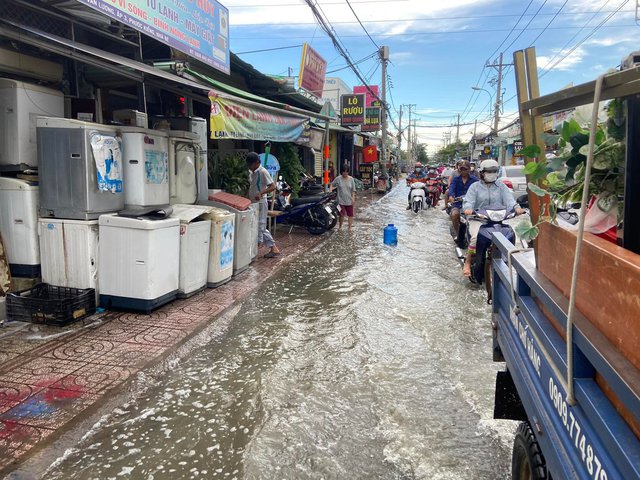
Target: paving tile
94	378
40	372
185	322
49	408
17	439
118	332
11	394
155	335
104	352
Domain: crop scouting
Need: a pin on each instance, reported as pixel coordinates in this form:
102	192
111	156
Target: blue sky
438	48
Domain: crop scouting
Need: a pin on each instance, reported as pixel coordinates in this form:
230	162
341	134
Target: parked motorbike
492	218
309	187
317	215
417	195
328	200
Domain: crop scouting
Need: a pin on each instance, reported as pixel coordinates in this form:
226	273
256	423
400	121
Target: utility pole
384	58
458	130
399	154
409	135
498	97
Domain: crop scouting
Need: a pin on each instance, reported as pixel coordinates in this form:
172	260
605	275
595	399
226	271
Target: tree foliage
451	151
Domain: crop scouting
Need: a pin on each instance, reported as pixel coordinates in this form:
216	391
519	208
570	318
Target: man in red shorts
346	195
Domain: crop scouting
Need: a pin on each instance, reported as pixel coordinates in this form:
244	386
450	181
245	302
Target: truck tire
527	462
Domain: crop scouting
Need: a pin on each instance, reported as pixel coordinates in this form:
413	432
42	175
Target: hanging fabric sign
234	119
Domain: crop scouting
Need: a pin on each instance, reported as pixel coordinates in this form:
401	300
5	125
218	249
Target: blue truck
574	386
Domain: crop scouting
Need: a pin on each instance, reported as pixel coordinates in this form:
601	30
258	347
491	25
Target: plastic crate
51	305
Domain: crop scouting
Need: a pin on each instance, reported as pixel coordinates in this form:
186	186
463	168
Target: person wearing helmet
459	188
489	191
417	175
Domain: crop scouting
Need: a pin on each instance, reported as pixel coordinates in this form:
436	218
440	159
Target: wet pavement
356	360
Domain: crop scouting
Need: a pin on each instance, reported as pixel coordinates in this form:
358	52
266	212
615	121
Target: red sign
370	154
312	71
371	100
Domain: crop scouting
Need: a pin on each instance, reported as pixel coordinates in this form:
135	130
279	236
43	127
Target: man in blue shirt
489	191
458	188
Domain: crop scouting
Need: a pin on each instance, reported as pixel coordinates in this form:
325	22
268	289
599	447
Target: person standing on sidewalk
346	187
261	183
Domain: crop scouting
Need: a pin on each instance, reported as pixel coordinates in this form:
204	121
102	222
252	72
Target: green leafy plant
230	174
562	178
291	168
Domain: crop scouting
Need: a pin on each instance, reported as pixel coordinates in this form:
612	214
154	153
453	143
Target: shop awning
131	68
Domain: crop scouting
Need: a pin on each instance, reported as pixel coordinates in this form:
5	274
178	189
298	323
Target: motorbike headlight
496	215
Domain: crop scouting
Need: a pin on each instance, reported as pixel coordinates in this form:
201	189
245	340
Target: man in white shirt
260	184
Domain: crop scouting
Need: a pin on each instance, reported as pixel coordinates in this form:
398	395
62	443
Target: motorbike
433	191
316	214
328	200
493	221
417	195
309	187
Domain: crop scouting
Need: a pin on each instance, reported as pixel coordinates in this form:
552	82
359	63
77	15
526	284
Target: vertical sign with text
352	109
366	175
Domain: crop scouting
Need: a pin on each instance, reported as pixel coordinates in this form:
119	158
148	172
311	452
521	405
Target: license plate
521	187
328	209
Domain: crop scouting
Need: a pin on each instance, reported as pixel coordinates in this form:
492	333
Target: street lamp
490	97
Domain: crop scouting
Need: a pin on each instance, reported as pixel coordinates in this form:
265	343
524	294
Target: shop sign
371	99
312	71
198	28
517	147
316	139
352	109
366	175
358	141
271	164
233	119
371	120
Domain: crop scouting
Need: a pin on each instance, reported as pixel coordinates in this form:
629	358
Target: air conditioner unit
28	66
632	60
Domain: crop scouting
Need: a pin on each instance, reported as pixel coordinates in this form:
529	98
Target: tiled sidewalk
47	380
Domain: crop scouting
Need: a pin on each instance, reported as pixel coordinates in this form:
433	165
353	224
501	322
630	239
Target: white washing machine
19	226
139	262
198	126
20	104
195	238
222	246
146	166
69	252
184	156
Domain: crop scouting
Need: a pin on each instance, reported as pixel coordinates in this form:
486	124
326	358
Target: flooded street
357	361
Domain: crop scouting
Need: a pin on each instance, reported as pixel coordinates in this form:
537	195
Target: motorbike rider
432	174
458	188
486	192
417	175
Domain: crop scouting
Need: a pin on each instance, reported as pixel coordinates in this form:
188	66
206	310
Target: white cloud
569	62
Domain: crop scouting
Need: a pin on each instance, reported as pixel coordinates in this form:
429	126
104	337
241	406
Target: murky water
358	361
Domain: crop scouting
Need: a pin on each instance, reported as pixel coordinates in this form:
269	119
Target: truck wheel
527	462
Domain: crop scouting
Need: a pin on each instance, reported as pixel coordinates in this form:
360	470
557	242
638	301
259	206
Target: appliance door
184	174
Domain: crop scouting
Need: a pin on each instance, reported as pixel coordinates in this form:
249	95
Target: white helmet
489	165
489	171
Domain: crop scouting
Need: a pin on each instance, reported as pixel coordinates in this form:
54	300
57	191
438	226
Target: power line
550	22
268	49
511	31
368	57
365	30
526	26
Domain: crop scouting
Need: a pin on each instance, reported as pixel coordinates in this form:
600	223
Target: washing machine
19	226
184	156
69	252
146	166
80	169
222	247
139	262
20	104
198	126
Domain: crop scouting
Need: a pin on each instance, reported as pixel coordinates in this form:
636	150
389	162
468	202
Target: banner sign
232	119
370	100
198	28
312	71
271	164
371	120
352	109
366	175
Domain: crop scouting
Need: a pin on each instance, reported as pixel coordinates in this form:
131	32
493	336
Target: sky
439	49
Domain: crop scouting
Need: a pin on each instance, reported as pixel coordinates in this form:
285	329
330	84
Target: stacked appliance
20	104
146	166
184	154
19	226
139	262
222	247
81	178
198	126
195	236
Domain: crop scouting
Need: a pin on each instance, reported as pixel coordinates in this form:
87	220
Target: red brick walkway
48	379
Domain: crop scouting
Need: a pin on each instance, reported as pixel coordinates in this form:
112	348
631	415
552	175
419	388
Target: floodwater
357	361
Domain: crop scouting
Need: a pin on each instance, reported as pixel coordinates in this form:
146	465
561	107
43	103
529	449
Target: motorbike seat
303	200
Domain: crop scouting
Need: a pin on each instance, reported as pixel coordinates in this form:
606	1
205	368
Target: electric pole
384	58
458	130
498	97
399	154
